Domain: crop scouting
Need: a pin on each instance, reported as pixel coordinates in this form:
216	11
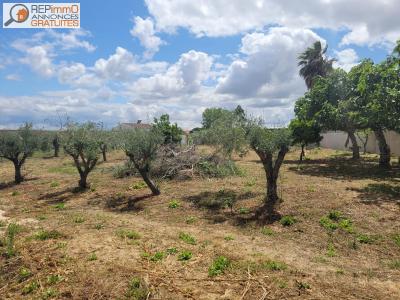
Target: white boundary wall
337	139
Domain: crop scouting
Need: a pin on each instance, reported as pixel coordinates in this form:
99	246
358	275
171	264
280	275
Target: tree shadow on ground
378	193
125	203
10	184
61	196
343	168
222	206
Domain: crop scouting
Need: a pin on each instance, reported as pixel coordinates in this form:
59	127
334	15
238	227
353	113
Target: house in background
137	125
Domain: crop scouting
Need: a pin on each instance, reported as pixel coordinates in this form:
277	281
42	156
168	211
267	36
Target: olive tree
271	146
226	132
17	146
82	143
141	146
56	142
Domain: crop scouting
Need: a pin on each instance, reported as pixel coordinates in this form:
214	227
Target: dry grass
114	233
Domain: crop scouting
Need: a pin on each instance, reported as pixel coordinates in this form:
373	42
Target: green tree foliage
17	146
271	145
107	141
210	115
82	143
240	114
313	63
378	101
330	103
226	133
43	140
172	133
304	133
48	140
141	147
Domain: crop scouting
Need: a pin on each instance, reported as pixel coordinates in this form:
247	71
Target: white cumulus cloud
143	29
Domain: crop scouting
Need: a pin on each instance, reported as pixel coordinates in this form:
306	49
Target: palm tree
313	63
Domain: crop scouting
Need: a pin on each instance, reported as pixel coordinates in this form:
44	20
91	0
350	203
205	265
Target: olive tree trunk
269	209
146	178
384	149
18	175
83	180
84	167
56	151
56	146
355	148
104	152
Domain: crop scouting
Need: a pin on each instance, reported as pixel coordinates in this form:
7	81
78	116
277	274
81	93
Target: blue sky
136	60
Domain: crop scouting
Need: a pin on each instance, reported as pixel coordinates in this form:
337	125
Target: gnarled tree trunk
146	178
18	175
144	172
384	149
269	209
355	148
56	146
104	152
83	180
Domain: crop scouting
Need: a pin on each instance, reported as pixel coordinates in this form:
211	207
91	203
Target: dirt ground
100	240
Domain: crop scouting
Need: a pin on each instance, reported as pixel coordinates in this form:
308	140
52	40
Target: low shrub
157	256
137	289
54	278
190	220
139	185
12	230
243	210
171	251
23	274
328	224
59	206
79	219
187	238
43	235
30	287
125	170
49	293
222	199
395	264
218	266
331	251
334	220
92	257
365	239
185	255
216	167
274	265
396	239
174	204
128	234
287	220
267	231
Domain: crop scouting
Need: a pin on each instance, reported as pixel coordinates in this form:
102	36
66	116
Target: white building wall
337	139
